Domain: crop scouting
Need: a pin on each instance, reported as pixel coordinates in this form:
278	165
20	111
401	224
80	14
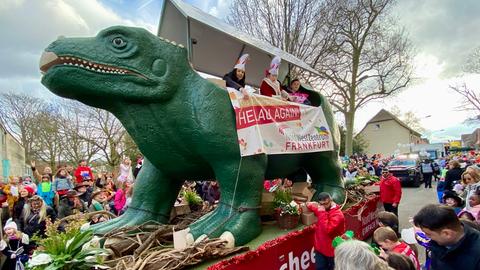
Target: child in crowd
451	199
61	184
120	197
14	246
83	171
474	210
12	192
388	240
98	202
46	192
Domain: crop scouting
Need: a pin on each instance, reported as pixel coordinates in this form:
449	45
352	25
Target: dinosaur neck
163	118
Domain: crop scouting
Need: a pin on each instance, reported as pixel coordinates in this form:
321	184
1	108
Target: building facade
388	135
12	156
471	140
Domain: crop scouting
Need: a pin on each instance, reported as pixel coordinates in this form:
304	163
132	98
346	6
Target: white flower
68	242
293	204
90	259
39	259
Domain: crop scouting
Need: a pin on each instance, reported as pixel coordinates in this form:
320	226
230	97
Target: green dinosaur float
183	124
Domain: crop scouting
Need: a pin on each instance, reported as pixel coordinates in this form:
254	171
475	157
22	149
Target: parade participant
35	215
71	205
14	246
388	240
297	94
125	171
390	191
46	192
453	174
451	199
11	190
270	85
471	183
61	184
426	168
25	193
36	173
357	255
453	245
236	78
82	171
330	224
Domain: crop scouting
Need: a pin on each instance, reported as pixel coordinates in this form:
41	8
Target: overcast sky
444	32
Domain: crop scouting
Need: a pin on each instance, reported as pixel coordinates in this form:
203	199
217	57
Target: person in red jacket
83	172
390	191
270	85
330	224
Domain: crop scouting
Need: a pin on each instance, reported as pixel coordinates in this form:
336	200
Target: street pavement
413	199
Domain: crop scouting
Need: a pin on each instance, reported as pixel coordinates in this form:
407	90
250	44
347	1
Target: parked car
407	169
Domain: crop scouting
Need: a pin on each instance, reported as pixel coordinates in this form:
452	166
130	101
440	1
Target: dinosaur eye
119	43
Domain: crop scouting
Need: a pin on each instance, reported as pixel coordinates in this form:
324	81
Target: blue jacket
62	184
47	196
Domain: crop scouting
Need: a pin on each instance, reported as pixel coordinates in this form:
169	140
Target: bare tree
47	145
293	26
17	114
369	59
471	98
77	132
109	136
409	118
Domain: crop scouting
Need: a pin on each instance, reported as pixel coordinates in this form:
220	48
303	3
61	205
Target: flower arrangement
291	208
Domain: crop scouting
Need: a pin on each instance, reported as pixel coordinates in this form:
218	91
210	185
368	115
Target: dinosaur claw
230	238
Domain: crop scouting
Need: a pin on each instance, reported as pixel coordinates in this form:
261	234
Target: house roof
214	46
384	115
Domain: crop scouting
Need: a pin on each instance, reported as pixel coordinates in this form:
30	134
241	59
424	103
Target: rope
236	183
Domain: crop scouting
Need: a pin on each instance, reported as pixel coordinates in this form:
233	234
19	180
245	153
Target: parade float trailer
209	38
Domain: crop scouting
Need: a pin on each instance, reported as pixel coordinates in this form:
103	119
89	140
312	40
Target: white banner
272	126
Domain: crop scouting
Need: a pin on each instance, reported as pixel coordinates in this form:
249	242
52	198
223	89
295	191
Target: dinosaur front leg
153	197
324	169
236	217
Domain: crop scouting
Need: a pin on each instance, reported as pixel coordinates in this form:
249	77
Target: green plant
281	196
67	250
191	197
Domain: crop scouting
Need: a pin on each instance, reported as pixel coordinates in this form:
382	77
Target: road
413	199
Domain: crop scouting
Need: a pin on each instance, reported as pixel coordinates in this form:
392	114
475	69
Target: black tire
416	181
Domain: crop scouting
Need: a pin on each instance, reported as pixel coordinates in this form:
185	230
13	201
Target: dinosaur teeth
181	46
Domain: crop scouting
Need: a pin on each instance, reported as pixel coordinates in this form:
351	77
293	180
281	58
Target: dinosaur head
120	64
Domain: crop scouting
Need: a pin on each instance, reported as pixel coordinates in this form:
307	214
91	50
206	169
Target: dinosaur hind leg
324	169
237	213
153	197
